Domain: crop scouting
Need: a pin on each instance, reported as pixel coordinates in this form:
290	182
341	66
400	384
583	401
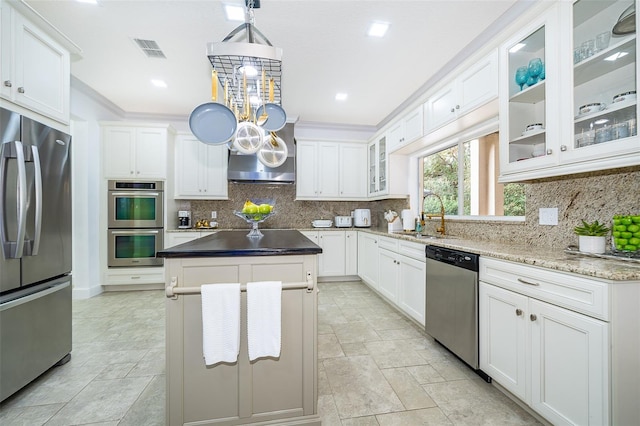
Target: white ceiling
325	50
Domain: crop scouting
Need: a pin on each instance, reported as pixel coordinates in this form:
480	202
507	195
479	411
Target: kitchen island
279	390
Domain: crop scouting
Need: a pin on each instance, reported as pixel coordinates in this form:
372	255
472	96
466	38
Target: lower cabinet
339	252
401	273
174	238
368	258
134	276
540	339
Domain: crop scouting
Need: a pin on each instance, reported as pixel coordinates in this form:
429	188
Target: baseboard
86	292
338	279
132	287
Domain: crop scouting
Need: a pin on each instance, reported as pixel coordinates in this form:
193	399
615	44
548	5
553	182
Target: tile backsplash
590	196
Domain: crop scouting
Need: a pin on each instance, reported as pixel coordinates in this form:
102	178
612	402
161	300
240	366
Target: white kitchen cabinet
472	88
353	166
389	274
331	262
569	143
406	130
174	238
351	253
35	68
201	169
327	170
368	258
122	277
387	173
545	337
135	151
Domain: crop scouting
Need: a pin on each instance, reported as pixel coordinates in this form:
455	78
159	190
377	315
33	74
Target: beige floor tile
149	408
408	389
425	374
329	347
393	353
361	421
355	332
429	416
359	387
101	401
352	349
328	411
28	416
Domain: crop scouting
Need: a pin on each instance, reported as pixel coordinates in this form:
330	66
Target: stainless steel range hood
248	169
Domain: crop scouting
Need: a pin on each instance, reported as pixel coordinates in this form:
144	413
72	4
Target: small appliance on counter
184	219
362	218
344	221
321	223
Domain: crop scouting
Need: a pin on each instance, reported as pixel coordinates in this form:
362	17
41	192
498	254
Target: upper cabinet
579	114
200	169
529	118
35	68
473	87
327	170
135	151
406	130
387	173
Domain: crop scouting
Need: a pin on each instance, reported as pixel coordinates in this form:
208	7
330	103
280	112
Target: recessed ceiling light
616	56
94	2
517	47
234	12
378	29
341	96
158	83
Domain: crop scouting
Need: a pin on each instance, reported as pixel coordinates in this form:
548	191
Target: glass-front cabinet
604	115
378	166
568	82
529	77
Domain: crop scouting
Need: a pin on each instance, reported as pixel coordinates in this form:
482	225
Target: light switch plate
214	215
548	216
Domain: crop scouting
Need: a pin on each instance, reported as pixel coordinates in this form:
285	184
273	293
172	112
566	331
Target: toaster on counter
343	221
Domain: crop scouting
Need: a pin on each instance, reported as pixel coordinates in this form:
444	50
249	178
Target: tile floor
375	368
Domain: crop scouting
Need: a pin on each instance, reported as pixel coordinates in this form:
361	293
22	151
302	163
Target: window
465	176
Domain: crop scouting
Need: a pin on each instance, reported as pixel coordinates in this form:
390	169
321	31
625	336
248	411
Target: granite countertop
227	243
552	258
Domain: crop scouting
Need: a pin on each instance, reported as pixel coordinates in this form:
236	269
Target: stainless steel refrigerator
35	258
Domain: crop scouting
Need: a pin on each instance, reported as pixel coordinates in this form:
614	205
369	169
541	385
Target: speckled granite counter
615	270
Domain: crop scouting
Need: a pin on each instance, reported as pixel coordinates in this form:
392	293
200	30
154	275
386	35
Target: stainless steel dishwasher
452	302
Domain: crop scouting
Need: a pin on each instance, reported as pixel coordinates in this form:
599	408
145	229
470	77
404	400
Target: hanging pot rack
242	47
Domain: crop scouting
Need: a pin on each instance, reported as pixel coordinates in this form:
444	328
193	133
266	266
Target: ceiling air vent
150	48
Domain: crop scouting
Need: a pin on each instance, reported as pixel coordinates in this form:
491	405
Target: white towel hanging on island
220	322
264	319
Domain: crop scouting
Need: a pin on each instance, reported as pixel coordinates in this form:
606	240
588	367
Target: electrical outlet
214	215
548	216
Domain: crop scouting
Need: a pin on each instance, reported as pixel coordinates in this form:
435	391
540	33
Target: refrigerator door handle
38	195
14	249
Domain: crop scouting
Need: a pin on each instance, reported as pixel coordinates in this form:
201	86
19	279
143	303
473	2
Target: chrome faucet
441	229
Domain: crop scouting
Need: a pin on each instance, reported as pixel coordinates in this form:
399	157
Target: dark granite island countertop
236	243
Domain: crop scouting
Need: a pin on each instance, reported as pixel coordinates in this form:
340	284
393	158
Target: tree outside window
465	176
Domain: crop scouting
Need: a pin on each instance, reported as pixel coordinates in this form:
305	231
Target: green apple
264	208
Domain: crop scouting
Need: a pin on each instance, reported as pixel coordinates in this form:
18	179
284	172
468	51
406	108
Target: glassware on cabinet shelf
527	96
604	69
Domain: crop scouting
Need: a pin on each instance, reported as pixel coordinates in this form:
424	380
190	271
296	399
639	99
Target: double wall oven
136	223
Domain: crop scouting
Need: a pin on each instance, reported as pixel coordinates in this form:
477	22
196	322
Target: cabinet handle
549	151
518	312
520	280
20	89
457	106
131	172
563	148
533	317
453	110
135	278
7	83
